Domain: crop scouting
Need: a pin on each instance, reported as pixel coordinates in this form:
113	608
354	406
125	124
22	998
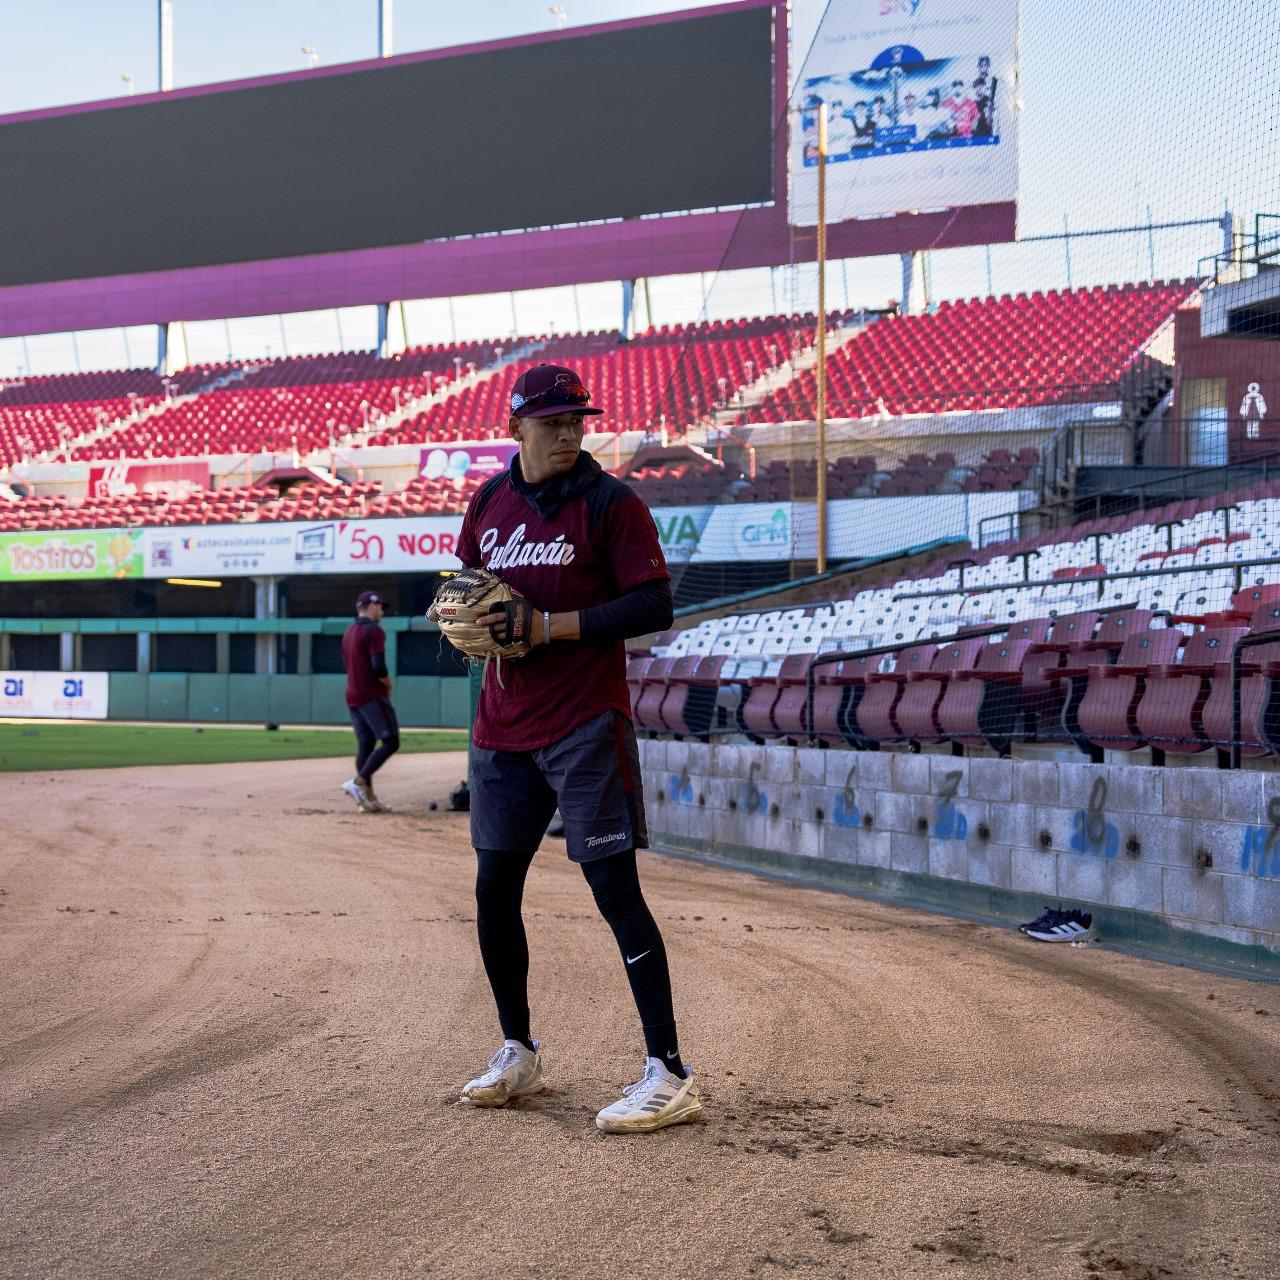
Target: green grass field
29	746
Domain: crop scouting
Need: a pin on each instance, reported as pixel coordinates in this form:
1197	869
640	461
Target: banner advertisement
466	461
71	555
168	480
856	526
921	102
419	545
61	695
729	532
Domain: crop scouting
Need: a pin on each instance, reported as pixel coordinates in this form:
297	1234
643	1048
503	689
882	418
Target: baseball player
364	654
581	551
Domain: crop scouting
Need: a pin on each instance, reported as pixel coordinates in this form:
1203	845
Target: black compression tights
500	876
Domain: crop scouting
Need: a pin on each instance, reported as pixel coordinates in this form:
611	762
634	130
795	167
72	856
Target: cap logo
516	401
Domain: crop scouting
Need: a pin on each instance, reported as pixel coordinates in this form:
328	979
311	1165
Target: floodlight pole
822	338
164	49
165	16
386	15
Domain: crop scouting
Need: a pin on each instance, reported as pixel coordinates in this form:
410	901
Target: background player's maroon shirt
363	639
580	540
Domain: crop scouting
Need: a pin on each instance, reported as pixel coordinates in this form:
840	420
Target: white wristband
546	626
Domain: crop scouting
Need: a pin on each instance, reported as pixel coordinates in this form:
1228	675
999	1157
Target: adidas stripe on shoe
1062	926
656	1100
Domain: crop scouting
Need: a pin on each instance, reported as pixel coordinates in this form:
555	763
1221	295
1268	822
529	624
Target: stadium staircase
798	363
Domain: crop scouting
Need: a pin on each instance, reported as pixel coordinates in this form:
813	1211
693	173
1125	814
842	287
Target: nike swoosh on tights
641	956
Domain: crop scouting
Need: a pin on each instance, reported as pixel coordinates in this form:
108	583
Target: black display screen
609	124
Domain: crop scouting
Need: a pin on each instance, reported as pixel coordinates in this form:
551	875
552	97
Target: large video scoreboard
656	146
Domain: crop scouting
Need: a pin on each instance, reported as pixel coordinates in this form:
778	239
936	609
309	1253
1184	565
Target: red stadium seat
982	705
1106	718
874	715
1170	712
916	710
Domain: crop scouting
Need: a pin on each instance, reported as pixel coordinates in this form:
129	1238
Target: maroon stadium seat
677	688
873	716
1170	712
636	667
1107	715
690	705
653	689
791	710
1258	690
837	690
916	710
982	705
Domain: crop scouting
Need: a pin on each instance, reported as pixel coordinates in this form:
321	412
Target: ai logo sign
12	687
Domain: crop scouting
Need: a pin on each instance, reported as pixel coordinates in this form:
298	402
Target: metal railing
1098	580
965	633
1177	486
1237	711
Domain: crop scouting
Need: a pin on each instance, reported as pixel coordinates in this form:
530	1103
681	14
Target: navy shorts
592	775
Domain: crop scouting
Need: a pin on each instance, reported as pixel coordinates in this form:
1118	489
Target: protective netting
1065	428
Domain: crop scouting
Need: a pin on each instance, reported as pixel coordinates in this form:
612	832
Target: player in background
584	550
364	654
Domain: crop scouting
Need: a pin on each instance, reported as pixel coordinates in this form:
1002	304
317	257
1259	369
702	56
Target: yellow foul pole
822	338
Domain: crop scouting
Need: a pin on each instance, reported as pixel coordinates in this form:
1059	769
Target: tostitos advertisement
70	555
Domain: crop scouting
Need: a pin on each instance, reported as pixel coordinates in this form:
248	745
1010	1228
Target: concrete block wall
1179	860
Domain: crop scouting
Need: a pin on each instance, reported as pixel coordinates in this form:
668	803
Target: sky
1128	105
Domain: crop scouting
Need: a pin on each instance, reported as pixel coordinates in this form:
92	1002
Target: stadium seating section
1031	348
986	353
864	477
1115	635
671	375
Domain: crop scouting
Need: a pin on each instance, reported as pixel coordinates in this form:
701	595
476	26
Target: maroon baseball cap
548	389
367	598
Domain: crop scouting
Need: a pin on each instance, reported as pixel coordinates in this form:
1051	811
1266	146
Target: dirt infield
234	1016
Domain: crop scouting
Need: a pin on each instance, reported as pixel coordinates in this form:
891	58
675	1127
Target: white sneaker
514	1071
656	1100
379	806
357	793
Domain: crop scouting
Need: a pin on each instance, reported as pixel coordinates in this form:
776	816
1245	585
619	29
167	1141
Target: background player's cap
366	598
548	389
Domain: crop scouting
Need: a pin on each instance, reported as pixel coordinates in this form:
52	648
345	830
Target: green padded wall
208	697
289	699
248	699
126	696
328	700
167	696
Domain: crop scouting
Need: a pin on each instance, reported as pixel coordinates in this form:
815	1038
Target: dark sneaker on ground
1062	926
1051	916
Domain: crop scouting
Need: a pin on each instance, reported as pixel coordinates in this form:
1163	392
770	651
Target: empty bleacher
1062	346
1115	635
668	376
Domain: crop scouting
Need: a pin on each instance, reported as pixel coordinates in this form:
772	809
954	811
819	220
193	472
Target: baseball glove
469	595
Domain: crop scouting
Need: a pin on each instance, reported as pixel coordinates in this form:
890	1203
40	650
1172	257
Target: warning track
236	1015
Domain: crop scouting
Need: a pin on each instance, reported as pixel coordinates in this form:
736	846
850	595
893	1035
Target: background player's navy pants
377	735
